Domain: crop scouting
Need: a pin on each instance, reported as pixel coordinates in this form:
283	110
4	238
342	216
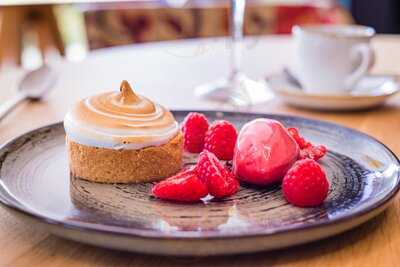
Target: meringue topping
120	120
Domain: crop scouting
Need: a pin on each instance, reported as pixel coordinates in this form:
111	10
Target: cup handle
367	61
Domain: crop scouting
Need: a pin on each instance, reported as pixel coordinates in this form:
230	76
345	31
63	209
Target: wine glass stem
237	17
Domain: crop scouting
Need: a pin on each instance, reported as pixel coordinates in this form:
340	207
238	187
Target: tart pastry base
106	165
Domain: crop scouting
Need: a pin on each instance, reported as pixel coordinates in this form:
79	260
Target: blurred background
35	30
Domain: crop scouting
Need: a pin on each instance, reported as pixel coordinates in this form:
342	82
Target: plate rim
11	202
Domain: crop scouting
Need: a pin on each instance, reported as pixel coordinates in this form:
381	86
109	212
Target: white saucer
371	91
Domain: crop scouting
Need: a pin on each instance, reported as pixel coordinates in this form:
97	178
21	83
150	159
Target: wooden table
167	72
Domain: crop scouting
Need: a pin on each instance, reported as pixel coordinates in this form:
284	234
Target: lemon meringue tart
122	137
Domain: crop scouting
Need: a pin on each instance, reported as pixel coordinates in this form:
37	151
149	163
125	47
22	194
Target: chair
17	23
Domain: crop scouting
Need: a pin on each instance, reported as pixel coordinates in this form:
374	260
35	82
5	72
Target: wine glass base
241	91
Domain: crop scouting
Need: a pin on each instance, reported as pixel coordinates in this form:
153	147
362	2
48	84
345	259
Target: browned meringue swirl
123	116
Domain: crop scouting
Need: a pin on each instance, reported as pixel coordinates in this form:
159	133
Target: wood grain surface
168	77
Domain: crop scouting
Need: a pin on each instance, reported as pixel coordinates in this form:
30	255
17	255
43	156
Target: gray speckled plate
35	186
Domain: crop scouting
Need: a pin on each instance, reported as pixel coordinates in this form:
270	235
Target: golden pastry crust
106	165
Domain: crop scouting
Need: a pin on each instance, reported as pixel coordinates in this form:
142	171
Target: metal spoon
33	86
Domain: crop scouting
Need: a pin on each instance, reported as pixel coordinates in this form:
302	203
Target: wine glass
237	88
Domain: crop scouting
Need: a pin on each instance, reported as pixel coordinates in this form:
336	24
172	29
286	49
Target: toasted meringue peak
127	94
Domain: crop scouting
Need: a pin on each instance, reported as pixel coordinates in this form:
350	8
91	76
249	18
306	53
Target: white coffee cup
331	59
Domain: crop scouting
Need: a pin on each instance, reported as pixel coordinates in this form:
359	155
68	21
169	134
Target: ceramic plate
36	187
371	91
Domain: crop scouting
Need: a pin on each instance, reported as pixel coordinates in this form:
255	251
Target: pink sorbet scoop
264	152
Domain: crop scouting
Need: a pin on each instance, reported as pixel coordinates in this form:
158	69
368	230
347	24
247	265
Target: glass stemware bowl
237	88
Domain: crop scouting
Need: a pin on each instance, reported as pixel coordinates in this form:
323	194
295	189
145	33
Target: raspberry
220	181
184	186
194	128
220	139
305	184
298	138
307	150
313	152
